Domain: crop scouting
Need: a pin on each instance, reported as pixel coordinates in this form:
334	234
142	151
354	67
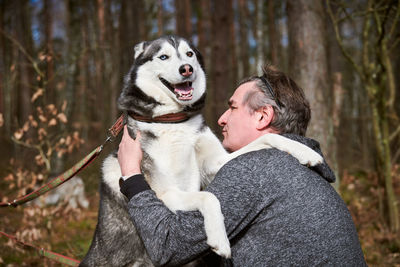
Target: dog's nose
186	70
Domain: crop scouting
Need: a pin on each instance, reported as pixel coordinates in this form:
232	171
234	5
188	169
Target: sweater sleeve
133	185
176	238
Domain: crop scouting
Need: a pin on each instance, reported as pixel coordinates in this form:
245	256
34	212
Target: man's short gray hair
292	114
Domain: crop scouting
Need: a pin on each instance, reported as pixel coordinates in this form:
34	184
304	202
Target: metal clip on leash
115	129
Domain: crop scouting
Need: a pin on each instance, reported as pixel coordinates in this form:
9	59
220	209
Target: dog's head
167	76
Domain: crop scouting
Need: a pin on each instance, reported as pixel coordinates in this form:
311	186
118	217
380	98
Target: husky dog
163	95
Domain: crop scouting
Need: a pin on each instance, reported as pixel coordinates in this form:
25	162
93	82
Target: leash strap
42	252
113	132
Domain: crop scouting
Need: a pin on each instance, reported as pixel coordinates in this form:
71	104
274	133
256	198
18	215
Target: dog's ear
139	48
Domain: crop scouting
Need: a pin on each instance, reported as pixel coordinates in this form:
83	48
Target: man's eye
189	54
163	57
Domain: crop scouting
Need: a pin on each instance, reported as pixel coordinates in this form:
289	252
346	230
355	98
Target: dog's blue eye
163	57
189	54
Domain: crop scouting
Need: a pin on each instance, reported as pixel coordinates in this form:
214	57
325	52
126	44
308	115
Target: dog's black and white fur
167	76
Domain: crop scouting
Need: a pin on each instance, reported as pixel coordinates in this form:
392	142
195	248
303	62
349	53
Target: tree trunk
309	67
101	84
160	24
336	107
183	16
24	36
273	36
48	24
244	63
130	32
234	50
220	75
203	28
260	60
112	62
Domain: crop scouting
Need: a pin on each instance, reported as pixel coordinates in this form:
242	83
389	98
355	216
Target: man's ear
264	117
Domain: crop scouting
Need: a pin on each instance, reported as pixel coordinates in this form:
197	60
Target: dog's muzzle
183	91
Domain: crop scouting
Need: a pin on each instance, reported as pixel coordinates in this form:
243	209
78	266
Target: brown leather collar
167	118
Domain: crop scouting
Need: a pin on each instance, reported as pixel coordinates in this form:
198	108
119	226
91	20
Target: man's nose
222	119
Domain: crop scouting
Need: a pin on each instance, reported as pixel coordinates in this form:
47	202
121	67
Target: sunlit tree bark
309	67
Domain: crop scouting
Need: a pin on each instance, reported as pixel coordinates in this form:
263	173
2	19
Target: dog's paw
308	157
220	246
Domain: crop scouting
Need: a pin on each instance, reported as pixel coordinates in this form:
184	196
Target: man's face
239	125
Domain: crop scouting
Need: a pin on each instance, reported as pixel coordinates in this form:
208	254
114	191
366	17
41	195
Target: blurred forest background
62	64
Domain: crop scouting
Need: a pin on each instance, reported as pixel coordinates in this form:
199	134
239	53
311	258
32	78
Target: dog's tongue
183	91
183	87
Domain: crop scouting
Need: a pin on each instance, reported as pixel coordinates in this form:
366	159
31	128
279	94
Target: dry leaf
62	118
42	118
34	123
18	134
39	160
39	110
1	120
38	93
52	122
52	109
64	106
68	140
42	132
59	154
25	128
42	56
49	152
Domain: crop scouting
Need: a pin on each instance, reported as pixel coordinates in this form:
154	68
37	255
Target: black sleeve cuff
133	185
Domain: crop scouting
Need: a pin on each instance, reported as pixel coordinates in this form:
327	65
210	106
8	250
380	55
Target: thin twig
36	147
394	134
395	43
365	47
22	49
340	41
395	20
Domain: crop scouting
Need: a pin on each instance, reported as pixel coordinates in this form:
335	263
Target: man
277	211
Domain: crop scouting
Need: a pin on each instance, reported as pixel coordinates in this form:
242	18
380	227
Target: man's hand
130	154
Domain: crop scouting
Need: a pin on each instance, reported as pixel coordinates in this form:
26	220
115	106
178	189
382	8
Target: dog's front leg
209	206
210	155
304	154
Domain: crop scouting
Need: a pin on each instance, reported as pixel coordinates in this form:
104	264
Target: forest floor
69	231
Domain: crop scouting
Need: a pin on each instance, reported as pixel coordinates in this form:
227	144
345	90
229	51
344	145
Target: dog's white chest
172	160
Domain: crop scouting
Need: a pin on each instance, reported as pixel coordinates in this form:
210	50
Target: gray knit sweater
277	213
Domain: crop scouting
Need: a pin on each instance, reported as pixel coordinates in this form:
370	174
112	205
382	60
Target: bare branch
394	134
22	49
366	43
36	147
395	20
395	43
340	41
396	156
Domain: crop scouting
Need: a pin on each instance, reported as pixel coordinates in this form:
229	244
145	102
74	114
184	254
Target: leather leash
113	132
43	252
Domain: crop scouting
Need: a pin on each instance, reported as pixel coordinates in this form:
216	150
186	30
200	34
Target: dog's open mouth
183	91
